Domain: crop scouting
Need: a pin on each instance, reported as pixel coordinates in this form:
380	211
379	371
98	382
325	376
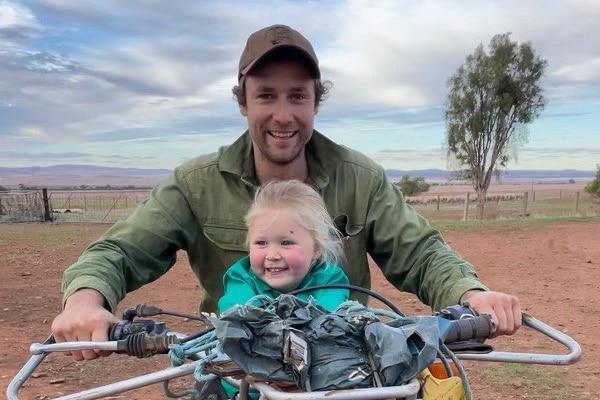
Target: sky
148	83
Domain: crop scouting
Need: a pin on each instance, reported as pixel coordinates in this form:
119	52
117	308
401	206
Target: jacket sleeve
138	250
412	255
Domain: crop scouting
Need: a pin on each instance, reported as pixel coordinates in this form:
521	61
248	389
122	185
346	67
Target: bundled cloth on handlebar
292	340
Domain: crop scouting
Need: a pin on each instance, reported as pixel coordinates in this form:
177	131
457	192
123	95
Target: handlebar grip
472	327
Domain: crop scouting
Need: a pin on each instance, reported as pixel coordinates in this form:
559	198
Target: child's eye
260	243
287	243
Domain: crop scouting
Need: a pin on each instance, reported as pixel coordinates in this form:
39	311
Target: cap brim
309	58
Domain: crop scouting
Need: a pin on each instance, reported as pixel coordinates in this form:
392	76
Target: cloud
571	151
586	71
401	53
17	22
156	77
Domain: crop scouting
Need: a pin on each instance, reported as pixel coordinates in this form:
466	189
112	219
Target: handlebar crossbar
573	355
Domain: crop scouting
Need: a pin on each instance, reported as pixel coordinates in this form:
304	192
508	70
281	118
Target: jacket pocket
346	228
229	238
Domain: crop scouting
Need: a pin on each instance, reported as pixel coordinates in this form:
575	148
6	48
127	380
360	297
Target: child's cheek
256	261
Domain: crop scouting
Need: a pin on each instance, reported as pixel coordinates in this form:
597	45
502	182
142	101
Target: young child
292	244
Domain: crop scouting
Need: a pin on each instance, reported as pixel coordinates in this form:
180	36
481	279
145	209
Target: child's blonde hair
308	208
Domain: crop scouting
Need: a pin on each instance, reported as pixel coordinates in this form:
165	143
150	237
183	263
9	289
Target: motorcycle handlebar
470	328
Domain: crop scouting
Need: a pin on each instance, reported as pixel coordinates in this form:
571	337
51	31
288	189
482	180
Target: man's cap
273	37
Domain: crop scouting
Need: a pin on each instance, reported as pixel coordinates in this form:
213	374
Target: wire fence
109	206
21	206
103	206
543	204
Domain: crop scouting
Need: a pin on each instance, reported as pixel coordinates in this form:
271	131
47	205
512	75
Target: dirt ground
553	267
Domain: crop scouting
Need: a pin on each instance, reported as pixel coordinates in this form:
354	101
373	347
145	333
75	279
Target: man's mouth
282	135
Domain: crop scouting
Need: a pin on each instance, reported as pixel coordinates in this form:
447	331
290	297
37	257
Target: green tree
412	187
593	187
491	98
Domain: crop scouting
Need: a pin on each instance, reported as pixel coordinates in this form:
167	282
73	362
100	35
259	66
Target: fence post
466	211
525	199
47	216
438	203
576	205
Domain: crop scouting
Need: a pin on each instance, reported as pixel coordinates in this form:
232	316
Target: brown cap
264	41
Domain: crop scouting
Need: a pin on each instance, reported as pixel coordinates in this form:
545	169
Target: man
200	208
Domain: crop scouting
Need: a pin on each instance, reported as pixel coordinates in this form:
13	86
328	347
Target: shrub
593	187
412	187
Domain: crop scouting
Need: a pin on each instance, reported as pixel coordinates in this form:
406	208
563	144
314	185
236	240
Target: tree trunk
481	193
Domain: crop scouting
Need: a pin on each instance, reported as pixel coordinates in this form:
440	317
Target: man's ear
243	110
316	110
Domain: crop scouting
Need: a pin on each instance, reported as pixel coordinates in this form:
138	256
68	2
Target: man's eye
265	96
298	96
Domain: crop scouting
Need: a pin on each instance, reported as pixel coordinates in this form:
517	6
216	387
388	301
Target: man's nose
282	114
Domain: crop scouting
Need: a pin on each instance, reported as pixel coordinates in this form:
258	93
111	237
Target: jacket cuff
461	287
110	302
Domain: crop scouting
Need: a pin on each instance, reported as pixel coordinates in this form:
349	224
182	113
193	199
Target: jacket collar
321	154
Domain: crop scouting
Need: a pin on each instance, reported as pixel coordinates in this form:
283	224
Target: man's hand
504	309
84	318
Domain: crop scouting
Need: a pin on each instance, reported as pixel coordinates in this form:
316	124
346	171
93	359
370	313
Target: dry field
552	266
507	201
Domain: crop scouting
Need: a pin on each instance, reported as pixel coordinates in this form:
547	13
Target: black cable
461	370
369	292
196	335
445	363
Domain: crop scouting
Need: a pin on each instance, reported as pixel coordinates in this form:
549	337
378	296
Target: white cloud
89	72
15	18
586	71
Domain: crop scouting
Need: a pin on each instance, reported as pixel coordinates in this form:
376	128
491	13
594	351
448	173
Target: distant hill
76	176
83	170
58	176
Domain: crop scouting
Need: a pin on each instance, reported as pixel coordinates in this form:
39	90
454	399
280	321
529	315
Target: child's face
281	250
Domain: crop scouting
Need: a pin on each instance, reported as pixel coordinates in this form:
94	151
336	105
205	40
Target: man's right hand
84	318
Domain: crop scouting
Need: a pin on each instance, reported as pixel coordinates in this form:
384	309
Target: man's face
280	109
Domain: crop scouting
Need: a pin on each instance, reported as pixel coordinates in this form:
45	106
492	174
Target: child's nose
273	253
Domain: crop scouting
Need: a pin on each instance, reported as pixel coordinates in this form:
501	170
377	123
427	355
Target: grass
55	238
513	209
506	225
47	236
532	382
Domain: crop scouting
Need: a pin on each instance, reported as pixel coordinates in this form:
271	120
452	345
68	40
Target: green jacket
200	208
240	284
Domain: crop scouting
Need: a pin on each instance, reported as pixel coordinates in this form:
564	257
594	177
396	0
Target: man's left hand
504	309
